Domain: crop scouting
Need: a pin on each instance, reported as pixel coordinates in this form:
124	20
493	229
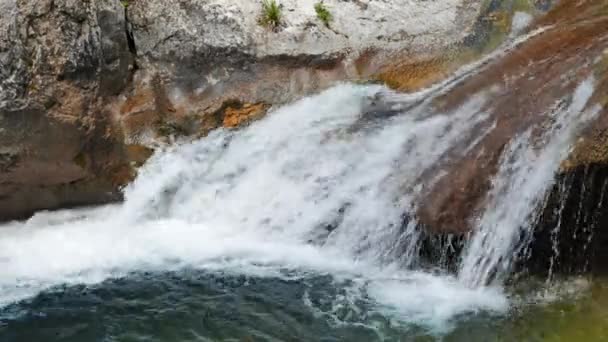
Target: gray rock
201	41
59	59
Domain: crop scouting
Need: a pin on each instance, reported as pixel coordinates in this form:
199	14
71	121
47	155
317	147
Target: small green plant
323	13
125	3
271	13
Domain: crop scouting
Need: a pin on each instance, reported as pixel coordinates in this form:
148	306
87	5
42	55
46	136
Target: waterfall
320	185
326	185
527	171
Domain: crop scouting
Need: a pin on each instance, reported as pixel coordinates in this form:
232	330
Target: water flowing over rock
257	200
420	207
528	85
542	78
87	87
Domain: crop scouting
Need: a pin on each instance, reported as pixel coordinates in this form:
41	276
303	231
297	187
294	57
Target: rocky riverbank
89	88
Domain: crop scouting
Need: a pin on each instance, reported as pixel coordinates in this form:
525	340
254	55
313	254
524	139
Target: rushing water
526	173
293	228
313	190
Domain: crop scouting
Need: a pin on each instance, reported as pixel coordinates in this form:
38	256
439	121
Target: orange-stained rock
409	76
236	115
138	154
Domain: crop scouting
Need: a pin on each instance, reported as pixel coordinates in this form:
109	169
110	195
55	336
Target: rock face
526	84
87	86
59	61
569	230
195	57
575	214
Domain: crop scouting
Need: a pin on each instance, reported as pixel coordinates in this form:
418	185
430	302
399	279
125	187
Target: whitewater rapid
313	188
318	187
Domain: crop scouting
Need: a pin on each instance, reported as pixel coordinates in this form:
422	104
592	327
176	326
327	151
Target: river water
295	228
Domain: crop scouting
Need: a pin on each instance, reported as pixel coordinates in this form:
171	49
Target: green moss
500	28
522	6
495	39
323	13
501	17
271	13
582	317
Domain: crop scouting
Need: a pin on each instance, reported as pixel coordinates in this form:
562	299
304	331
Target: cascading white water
318	186
526	173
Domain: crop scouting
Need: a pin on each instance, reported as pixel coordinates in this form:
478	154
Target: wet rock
568	229
527	84
570	237
81	82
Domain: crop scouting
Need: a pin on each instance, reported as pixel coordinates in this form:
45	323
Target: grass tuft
323	13
271	13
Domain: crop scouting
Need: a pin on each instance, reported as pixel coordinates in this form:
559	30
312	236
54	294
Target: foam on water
441	299
314	187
